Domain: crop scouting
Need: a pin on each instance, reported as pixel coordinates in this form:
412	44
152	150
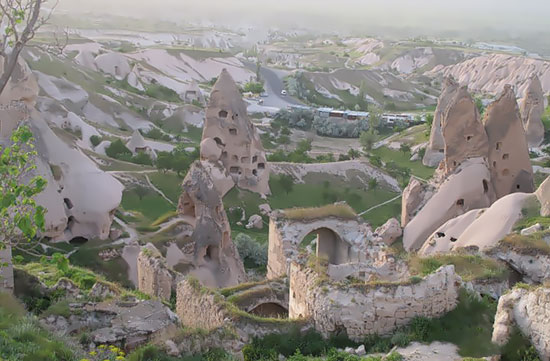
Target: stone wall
530	311
363	309
154	278
532	264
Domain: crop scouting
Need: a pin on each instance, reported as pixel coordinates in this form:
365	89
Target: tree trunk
6	271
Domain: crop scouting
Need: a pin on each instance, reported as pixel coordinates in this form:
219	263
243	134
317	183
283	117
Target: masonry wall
154	279
363	310
6	271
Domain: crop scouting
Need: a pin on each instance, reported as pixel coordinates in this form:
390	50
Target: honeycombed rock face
463	132
436	146
216	260
511	169
531	109
530	311
240	148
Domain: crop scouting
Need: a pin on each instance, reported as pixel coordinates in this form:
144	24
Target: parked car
283	92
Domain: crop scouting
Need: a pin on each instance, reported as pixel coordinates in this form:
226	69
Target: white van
283	92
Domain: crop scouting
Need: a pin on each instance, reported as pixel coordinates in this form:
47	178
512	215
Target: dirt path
159	191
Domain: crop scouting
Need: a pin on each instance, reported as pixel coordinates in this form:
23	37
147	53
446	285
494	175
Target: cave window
234	170
211	253
254	159
494	164
254	171
232	131
261	165
485	186
224	155
235	158
222	114
469	137
68	203
498	145
454	163
518	186
505	156
442	151
218	141
440	234
245	159
453	239
460	202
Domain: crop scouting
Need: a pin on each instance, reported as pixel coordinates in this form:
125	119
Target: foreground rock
531	109
529	310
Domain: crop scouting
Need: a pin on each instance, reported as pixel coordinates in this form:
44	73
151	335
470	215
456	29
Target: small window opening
222	114
460	202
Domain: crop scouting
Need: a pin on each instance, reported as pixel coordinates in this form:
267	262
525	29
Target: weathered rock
463	131
115	234
255	221
496	222
445	237
532	264
530	230
530	311
102	291
511	169
68	286
435	149
216	261
389	232
468	188
412	200
228	125
543	195
265	209
154	279
532	109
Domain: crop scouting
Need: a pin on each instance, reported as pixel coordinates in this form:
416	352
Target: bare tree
59	42
20	19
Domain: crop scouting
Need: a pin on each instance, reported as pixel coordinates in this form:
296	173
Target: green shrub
252	253
95	140
161	92
118	150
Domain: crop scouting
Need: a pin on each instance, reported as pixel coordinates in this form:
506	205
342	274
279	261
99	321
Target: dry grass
469	267
339	210
533	244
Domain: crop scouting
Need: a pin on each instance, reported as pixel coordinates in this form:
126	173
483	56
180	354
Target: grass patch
151	205
533	244
331	210
402	159
169	183
469	267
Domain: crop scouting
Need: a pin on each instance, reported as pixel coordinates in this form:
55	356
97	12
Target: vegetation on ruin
339	210
532	244
469	267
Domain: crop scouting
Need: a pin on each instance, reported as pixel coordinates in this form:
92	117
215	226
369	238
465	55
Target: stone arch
270	309
330	246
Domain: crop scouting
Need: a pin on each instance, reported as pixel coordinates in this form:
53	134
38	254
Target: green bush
161	92
95	140
118	150
252	253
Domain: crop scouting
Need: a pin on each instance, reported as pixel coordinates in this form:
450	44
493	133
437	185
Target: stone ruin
348	244
483	160
230	138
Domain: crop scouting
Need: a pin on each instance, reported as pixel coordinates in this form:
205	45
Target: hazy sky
334	15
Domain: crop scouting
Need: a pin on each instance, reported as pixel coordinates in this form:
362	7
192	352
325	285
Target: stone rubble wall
6	271
363	310
529	310
154	278
533	266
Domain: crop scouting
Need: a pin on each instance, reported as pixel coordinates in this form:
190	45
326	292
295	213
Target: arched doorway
330	246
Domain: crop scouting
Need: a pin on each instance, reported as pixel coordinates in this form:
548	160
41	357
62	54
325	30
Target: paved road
273	86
